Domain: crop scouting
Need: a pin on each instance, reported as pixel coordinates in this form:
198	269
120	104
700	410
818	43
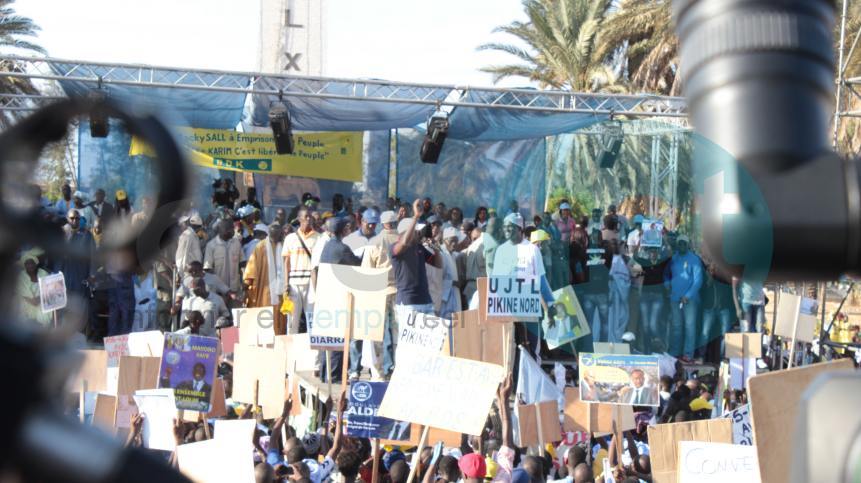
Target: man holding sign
520	259
409	256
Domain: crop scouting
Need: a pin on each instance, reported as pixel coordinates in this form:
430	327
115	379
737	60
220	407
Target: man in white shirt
188	247
209	305
517	257
296	257
223	254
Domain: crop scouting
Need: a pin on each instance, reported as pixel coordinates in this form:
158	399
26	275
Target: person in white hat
451	302
378	255
296	257
223	254
188	246
517	257
565	223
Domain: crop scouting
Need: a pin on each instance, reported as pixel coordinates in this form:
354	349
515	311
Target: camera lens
759	76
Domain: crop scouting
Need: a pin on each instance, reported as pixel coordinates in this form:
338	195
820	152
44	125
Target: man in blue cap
360	239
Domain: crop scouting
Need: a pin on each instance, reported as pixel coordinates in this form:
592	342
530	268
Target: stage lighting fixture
282	128
612	144
437	130
99	127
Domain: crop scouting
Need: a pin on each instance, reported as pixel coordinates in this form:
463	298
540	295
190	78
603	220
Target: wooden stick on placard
256	393
345	370
83	396
618	437
422	442
328	370
540	430
206	431
54	316
375	470
795	329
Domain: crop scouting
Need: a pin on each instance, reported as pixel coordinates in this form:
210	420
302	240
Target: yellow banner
321	155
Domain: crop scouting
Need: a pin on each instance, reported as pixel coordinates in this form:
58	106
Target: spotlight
613	138
99	127
282	129
437	130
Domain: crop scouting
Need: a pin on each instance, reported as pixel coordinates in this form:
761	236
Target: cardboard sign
236	429
538	423
267	368
742	430
611	347
664	443
137	373
594	418
423	333
361	416
740	371
93	370
229	338
188	366
430	390
450	439
300	356
52	292
146	344
159	411
743	345
126	408
717	463
774	398
256	325
619	379
369	289
568	324
518	297
789	308
103	415
474	340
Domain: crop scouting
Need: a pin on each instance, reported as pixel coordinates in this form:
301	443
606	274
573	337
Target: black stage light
282	129
437	130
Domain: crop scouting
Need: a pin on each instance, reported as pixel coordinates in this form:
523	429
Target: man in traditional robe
264	275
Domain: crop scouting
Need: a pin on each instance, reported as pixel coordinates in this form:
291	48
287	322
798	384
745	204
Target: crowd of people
654	293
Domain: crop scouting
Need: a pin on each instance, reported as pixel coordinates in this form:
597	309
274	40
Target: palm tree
560	36
643	31
14	31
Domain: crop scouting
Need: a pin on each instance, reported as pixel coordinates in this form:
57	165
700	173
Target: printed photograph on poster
619	379
513	296
52	292
361	416
653	231
188	367
568	324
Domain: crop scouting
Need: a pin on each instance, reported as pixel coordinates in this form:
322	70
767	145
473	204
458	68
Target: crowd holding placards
638	286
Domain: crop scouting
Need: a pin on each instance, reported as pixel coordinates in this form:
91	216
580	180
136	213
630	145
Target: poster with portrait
52	292
188	366
619	379
361	416
653	232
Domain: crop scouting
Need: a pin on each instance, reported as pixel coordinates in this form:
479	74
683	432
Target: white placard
423	333
701	462
159	410
742	431
513	297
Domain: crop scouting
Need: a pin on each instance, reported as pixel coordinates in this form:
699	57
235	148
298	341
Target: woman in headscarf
27	290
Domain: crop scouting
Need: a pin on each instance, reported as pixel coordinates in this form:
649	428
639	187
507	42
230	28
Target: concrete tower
292	37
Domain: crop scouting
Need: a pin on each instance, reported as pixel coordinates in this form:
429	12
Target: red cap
472	465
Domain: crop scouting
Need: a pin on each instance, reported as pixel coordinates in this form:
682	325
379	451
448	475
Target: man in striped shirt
297	267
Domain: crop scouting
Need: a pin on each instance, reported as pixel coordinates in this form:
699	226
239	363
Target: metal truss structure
644	109
352	89
845	85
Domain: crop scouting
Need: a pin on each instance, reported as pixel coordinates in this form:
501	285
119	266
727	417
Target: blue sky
405	40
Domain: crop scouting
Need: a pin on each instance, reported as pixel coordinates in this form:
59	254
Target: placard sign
513	297
361	417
